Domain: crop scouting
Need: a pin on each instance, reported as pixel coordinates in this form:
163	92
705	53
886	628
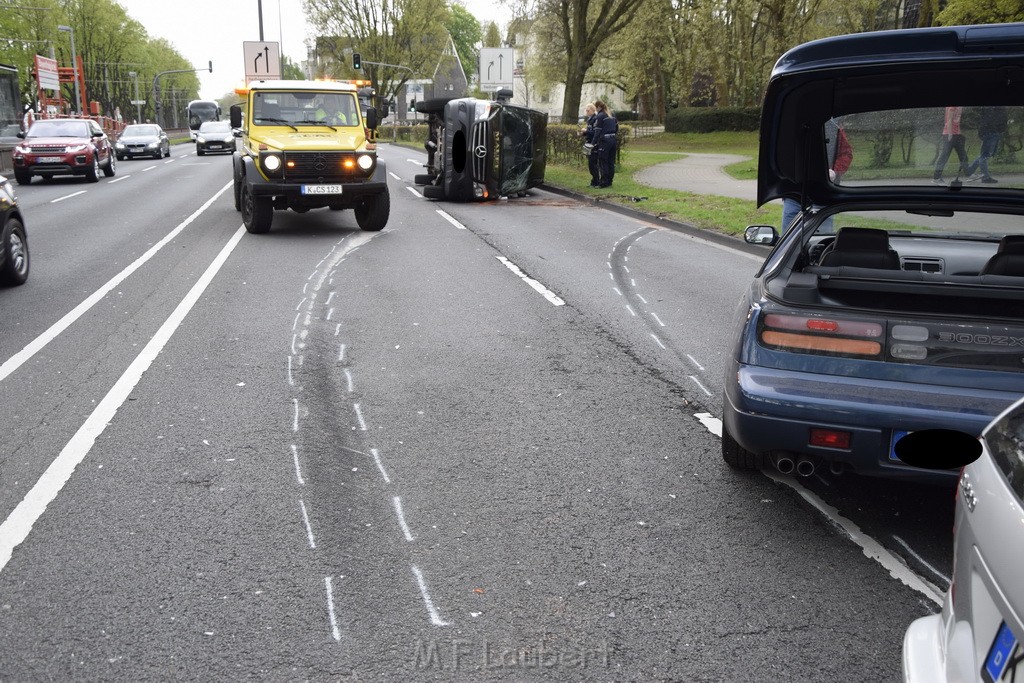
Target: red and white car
54	147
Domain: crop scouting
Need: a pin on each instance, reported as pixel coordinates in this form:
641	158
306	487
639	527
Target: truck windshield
303	108
523	144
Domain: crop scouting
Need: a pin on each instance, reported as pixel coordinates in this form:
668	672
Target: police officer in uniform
606	129
590	112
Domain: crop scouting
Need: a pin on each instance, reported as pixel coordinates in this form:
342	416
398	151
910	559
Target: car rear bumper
922	651
769	410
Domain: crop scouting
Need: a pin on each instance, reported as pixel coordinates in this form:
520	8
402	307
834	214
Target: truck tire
432	106
372	213
257	212
237	188
737	456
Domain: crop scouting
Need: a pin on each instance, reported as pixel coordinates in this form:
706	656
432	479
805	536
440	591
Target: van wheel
433	192
737	456
257	212
423	179
373	212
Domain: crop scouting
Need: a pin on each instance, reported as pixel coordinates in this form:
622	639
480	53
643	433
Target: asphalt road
479	445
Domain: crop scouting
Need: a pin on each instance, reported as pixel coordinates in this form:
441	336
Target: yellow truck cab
307	145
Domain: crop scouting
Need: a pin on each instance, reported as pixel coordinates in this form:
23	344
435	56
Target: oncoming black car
482	149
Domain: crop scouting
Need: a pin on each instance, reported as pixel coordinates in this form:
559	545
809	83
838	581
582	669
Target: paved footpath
700	174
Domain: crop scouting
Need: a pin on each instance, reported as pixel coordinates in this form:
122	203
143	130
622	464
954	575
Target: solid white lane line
435	618
397	502
18	359
309	529
544	291
67	196
451	220
335	633
871	548
15	529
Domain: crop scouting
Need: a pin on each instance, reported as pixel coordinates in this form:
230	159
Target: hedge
709	119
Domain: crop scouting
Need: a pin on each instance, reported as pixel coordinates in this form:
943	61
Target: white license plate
50	160
1005	658
322	189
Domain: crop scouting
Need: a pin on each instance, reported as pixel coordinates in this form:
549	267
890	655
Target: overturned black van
482	149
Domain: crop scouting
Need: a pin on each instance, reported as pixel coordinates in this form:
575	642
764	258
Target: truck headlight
365	161
272	164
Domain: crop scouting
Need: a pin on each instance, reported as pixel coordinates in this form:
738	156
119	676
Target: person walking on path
840	155
991	126
590	112
606	129
952	139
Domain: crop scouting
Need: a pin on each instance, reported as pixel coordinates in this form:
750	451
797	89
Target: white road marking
655	337
151	168
451	220
697	382
295	418
695	363
309	529
291	381
119	179
544	291
872	548
657	319
394	175
37	344
359	416
16	528
414	191
435	618
380	466
330	610
67	196
631	311
920	559
397	502
298	470
348	379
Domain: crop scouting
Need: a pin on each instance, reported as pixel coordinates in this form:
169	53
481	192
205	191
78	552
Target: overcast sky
212	30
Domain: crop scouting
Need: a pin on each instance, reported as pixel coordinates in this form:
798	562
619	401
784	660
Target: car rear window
1005	439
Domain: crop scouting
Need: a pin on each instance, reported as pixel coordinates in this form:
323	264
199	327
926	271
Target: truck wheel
257	212
372	213
433	192
737	456
237	190
422	179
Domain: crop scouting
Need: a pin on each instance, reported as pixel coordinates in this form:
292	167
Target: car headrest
861	239
1011	244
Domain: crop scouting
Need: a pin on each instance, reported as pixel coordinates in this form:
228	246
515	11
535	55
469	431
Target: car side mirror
21	134
371	118
237	132
761	234
235	114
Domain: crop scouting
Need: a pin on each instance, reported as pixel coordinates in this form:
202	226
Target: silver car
979	635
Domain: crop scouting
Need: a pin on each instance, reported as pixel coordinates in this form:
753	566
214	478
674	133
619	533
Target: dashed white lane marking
418	162
67	196
394	175
291	380
659	342
348	380
657	319
341	353
18	359
631	311
359	416
119	179
447	217
16	528
435	618
148	169
169	161
397	502
298	469
380	465
695	363
335	633
544	291
696	381
309	529
414	191
872	548
295	417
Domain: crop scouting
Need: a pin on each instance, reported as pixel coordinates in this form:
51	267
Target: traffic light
412	104
357	61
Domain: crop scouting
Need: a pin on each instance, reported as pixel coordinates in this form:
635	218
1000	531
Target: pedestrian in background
606	129
991	126
839	153
590	114
952	139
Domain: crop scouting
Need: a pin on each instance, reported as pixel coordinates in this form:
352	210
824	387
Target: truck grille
306	166
481	141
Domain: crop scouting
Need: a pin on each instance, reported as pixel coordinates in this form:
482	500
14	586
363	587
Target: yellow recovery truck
307	145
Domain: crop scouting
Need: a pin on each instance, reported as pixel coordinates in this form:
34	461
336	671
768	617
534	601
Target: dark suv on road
54	147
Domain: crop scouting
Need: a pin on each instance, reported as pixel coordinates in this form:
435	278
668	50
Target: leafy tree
492	37
410	34
466	33
959	12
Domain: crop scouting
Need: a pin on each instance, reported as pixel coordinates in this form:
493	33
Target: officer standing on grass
606	129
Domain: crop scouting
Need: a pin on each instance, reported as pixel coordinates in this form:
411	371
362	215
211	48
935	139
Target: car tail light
835	336
829	438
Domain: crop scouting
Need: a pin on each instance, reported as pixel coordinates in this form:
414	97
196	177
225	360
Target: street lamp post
74	64
138	102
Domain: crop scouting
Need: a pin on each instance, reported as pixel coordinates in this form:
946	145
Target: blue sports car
892	301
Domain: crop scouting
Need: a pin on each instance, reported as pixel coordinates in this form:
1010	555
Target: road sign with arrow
497	65
262	60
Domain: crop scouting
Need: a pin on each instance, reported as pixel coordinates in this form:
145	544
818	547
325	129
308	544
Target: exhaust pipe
837	468
784	463
805	466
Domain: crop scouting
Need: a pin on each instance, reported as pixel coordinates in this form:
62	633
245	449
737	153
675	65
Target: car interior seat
269	110
861	248
1008	259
